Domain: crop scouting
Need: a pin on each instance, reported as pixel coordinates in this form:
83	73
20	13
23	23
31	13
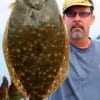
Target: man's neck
85	43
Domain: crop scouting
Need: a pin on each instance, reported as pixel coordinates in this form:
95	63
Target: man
83	81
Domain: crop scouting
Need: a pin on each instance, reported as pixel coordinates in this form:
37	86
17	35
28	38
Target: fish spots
36	48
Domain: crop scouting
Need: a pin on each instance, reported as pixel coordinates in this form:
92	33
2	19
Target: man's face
78	20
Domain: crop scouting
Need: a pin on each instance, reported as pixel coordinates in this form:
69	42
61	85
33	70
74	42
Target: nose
77	17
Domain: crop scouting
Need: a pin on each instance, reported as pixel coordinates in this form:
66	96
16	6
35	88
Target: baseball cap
69	3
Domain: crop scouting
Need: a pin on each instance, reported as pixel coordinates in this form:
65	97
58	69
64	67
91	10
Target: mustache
77	24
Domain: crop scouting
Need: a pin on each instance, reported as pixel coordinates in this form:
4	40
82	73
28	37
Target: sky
4	15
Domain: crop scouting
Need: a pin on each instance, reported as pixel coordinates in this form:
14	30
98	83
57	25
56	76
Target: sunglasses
82	14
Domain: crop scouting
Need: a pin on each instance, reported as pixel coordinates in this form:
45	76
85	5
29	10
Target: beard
77	32
77	35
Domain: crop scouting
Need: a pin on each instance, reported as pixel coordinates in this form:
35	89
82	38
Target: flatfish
36	48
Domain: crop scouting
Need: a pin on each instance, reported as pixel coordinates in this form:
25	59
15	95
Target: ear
92	19
63	18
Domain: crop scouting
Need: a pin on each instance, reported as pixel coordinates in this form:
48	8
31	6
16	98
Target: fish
36	48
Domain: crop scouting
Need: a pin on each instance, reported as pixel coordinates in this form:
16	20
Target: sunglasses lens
70	14
73	14
84	14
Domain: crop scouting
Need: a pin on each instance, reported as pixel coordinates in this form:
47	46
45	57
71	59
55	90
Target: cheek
87	24
67	21
89	21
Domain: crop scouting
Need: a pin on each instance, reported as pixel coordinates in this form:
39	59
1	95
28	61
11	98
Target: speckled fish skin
36	48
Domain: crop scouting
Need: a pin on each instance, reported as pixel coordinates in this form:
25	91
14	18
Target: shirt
83	80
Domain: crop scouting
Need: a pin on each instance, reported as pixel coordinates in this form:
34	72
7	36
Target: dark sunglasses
82	14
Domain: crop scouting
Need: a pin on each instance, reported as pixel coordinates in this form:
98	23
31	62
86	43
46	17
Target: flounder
36	48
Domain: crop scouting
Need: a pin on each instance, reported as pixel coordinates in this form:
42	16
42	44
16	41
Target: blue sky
4	15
